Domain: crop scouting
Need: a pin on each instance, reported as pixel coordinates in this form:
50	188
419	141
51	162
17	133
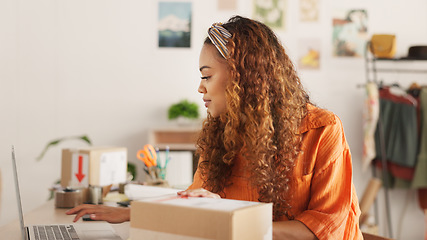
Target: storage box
173	218
97	166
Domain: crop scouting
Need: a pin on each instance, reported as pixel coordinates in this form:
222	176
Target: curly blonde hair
265	106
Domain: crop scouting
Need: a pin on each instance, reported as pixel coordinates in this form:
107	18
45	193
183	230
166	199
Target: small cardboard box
96	166
176	218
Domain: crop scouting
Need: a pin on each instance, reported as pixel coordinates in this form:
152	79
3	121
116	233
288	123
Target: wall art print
227	5
350	33
271	12
309	10
309	53
175	24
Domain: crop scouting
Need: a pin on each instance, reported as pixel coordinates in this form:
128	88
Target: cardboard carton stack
95	166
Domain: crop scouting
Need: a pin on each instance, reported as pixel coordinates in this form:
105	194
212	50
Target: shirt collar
316	118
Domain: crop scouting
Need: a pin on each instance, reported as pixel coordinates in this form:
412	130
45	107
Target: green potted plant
183	111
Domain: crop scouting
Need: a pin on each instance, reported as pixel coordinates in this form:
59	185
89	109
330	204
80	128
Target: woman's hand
200	192
101	212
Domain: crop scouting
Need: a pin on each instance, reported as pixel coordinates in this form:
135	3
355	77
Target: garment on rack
370	120
398	115
399	122
415	90
398	171
420	178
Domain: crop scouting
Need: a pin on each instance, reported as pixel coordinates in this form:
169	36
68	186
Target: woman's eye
205	78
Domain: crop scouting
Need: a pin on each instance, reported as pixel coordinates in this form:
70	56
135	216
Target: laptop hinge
27	235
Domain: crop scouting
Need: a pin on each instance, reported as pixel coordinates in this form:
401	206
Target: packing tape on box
68	198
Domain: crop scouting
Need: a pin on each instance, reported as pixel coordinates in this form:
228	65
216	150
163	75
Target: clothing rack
382	142
372	71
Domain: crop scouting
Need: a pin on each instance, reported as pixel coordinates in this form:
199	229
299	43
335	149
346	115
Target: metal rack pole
384	174
382	145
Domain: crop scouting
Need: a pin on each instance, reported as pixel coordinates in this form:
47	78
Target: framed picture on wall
350	33
271	12
227	5
175	24
309	10
309	53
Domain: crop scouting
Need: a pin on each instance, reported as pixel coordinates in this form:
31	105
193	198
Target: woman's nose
201	88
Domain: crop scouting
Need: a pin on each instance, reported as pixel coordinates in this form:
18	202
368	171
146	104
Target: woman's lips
207	102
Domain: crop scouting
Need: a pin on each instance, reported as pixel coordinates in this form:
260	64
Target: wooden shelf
177	138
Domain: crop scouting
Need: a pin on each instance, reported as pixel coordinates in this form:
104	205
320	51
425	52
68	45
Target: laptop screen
18	195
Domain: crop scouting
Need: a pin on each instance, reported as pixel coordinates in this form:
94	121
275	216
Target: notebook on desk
89	231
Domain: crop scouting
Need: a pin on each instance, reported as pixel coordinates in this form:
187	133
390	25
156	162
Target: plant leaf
84	138
51	143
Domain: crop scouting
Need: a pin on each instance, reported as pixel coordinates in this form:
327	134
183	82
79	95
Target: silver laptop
92	231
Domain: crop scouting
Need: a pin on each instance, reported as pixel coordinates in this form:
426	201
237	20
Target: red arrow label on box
80	174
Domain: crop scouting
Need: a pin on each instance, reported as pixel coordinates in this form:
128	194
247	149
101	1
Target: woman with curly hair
264	141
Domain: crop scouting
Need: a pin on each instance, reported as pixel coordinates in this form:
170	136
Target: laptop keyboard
55	232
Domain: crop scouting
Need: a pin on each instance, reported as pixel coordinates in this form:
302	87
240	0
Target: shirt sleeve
331	191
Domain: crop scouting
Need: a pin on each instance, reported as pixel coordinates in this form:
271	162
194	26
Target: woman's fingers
100	212
113	215
81	210
200	192
78	209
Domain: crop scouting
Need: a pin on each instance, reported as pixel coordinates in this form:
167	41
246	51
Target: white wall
93	67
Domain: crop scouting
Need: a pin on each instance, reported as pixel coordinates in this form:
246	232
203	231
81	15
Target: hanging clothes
371	112
420	178
398	113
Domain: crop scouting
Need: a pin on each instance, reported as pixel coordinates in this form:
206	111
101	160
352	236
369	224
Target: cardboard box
174	218
96	166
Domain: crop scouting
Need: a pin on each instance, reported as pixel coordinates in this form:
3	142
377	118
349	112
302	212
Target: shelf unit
177	138
391	66
394	65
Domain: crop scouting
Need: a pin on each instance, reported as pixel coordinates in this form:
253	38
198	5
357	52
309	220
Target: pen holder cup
158	183
156	177
95	193
161	173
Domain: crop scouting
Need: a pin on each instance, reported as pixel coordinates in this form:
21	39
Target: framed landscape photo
175	24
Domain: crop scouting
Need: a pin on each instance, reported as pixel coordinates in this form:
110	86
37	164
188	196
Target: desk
47	213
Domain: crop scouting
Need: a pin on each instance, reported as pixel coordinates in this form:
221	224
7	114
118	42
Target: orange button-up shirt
323	195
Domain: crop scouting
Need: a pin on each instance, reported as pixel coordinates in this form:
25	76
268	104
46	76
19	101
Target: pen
146	169
167	156
159	163
152	171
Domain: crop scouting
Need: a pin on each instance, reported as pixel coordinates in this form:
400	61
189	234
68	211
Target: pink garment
371	113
